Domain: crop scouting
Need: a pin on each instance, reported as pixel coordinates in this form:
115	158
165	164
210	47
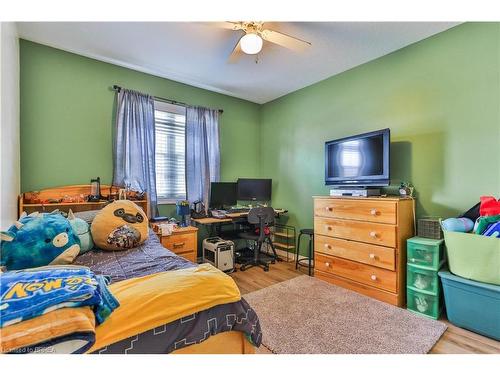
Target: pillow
82	230
120	225
38	240
88	216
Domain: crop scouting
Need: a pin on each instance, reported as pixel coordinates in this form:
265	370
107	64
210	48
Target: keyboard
218	214
237	210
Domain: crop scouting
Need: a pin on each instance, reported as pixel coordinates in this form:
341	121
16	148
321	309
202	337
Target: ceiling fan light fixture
251	43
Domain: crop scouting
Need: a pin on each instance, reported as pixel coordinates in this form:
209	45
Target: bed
227	328
224	328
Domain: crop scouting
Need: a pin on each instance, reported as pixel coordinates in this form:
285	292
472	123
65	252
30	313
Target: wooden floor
454	341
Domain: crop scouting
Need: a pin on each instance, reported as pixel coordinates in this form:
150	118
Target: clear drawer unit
423	291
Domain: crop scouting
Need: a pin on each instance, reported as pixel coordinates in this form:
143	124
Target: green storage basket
425	252
422	279
424	303
473	256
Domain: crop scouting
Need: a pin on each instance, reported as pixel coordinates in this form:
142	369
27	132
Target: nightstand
183	241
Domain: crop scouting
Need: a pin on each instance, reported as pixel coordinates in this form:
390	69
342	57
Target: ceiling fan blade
235	54
230	25
284	40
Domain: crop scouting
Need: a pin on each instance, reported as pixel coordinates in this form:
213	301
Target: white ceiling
196	53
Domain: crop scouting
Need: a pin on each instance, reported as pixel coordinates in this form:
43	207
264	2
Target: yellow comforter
150	301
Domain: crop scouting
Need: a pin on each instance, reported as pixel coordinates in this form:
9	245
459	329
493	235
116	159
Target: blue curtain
202	152
134	145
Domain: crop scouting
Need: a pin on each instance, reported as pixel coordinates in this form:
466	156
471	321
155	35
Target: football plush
38	239
120	225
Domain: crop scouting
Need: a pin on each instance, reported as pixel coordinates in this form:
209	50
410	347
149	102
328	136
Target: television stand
355	192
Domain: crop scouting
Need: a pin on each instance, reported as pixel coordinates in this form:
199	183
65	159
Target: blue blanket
25	294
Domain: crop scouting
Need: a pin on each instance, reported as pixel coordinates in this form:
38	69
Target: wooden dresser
360	244
183	242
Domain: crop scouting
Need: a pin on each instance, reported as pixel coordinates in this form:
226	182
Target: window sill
167	201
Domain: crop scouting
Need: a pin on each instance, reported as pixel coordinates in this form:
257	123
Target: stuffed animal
120	225
38	240
460	224
82	230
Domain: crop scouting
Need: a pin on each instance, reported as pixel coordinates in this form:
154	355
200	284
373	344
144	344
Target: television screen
223	194
254	189
361	160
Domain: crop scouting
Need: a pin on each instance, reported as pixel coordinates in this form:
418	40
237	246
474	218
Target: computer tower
219	253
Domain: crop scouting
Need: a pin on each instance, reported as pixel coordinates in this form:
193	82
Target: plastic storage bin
473	256
423	303
472	305
425	252
422	279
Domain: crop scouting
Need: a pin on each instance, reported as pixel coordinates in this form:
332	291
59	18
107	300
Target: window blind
170	130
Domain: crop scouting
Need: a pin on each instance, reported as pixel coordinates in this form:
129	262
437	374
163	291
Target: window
170	129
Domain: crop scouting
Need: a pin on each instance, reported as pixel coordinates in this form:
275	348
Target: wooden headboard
73	197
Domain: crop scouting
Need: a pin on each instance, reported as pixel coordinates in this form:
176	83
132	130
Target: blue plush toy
460	224
82	230
38	240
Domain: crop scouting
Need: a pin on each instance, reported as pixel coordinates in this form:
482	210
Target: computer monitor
223	194
254	189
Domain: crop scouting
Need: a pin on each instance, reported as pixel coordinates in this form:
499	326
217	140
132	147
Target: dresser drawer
370	291
373	255
374	233
179	243
191	255
357	209
359	272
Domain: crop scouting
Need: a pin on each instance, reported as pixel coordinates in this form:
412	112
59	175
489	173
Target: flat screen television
223	194
360	160
254	189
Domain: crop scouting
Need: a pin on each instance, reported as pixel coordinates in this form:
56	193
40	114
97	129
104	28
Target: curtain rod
118	89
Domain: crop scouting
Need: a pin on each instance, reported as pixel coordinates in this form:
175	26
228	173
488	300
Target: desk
215	224
229	217
211	220
236	218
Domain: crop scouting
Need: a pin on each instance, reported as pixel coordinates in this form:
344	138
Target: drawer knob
373	212
372	256
327	264
327	246
373	234
373	277
328	227
328	208
178	244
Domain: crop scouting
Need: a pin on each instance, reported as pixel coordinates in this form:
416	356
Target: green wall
440	97
67	117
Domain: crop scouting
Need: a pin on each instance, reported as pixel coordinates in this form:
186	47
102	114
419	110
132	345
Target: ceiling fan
251	41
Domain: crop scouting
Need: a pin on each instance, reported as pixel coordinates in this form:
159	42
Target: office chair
260	217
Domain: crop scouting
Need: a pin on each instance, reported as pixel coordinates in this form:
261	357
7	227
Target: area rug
306	315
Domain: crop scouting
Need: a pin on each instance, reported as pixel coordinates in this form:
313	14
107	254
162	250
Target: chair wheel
242	268
266	269
273	262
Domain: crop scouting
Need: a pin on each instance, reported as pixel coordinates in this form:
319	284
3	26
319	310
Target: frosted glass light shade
251	44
